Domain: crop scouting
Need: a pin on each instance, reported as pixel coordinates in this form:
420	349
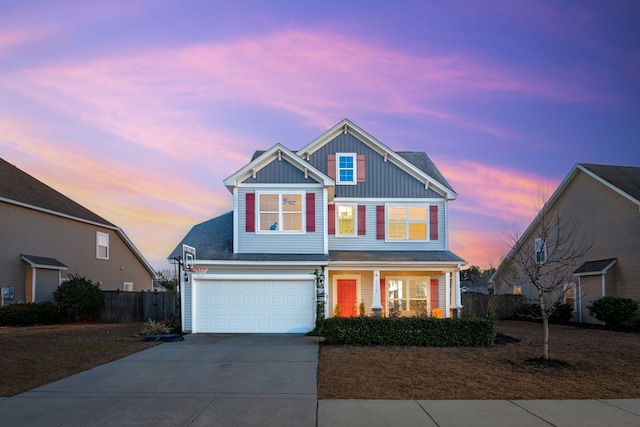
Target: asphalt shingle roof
21	187
626	178
594	266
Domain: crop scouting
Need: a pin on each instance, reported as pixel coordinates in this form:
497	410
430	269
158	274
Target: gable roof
278	151
593	268
624	180
426	172
20	188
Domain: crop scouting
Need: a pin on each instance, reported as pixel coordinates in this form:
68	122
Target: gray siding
30	232
369	241
280	172
46	284
187	307
383	179
280	243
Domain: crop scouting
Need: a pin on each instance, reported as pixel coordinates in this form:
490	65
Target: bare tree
542	260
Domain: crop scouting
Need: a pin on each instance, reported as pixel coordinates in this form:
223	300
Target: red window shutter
331	219
383	295
433	297
311	211
362	220
331	166
380	222
433	222
250	217
361	168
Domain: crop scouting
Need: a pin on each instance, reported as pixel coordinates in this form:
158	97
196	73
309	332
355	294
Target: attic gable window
346	168
280	212
541	251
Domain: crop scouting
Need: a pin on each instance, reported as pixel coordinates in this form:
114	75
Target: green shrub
613	310
78	297
40	313
561	314
402	331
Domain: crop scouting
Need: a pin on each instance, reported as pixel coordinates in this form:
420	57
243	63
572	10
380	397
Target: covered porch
393	285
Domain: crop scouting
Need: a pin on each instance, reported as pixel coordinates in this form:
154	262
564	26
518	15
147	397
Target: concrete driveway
207	379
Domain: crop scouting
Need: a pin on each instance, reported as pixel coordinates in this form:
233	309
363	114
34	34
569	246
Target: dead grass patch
37	355
586	364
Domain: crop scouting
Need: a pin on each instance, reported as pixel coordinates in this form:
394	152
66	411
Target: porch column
458	297
377	304
447	294
325	272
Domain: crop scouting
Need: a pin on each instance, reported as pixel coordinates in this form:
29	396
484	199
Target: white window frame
406	299
575	295
279	230
355	220
407	222
354	158
99	235
540	250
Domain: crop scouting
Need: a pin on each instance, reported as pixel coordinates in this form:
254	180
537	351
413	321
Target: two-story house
600	204
45	236
372	222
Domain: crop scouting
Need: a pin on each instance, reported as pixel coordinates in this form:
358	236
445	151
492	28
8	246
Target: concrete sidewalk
494	413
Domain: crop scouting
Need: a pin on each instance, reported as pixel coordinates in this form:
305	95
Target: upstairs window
280	212
346	168
102	245
541	251
346	216
407	222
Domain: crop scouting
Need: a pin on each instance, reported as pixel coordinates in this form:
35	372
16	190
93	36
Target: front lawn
587	364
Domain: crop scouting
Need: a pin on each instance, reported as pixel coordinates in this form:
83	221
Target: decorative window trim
102	241
407	221
354	169
355	219
540	250
302	212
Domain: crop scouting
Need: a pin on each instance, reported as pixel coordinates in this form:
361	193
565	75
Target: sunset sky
139	109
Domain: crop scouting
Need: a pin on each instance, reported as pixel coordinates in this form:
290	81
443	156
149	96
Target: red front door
347	297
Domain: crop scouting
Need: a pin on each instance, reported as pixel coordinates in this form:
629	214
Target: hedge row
418	331
39	313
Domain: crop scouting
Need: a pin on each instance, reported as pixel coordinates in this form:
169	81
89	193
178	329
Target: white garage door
254	306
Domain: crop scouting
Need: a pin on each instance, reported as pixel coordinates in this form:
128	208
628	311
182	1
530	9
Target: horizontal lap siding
370	242
30	232
284	243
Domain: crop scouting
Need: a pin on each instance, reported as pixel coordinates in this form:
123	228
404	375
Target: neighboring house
46	237
371	222
605	202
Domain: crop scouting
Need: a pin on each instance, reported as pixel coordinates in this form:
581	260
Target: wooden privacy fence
122	306
478	305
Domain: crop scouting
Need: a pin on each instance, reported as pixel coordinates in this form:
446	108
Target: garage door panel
257	306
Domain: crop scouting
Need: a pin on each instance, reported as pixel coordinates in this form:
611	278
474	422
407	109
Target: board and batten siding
369	241
307	242
383	179
280	172
26	231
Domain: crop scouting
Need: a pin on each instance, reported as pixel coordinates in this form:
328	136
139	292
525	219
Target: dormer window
346	168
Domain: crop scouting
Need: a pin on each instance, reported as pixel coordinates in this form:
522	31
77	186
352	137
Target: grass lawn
587	364
37	355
